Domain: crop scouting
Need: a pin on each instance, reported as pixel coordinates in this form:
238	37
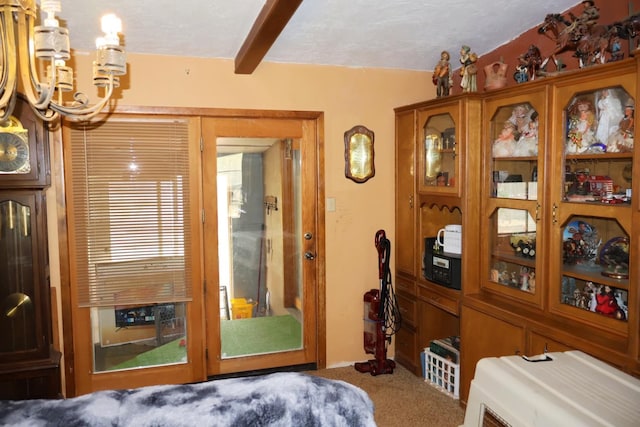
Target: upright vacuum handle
380	239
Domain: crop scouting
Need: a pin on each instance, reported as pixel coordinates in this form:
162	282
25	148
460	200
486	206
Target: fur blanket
281	399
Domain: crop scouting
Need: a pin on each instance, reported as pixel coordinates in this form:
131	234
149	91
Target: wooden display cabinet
434	148
561	216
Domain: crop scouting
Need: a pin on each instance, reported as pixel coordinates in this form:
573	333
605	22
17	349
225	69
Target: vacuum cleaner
381	314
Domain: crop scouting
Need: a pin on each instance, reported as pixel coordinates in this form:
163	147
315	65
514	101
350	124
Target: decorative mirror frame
359	155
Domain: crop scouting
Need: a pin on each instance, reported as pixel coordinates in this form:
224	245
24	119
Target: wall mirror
359	154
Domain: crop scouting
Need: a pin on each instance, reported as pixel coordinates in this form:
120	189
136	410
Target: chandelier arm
82	112
47	115
43	94
4	51
9	64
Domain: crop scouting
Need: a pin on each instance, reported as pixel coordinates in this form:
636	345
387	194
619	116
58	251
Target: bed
280	399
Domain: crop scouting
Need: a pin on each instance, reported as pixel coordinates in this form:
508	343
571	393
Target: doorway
263	244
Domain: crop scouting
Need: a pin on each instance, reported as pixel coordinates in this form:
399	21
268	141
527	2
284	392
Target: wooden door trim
313	119
314	343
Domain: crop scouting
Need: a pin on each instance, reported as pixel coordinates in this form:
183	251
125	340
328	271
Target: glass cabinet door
439	148
593	227
513	141
21	294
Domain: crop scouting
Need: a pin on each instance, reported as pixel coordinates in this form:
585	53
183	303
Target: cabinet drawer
406	286
440	301
407	308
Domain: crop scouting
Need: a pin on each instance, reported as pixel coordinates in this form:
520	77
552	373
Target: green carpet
260	335
171	352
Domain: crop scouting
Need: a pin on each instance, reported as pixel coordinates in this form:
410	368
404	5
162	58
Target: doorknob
308	236
309	255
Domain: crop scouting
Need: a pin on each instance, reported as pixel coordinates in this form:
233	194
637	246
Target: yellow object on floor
241	308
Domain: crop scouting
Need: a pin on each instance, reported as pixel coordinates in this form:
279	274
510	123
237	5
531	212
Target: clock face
14	153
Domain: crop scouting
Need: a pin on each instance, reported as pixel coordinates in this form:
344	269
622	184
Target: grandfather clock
29	366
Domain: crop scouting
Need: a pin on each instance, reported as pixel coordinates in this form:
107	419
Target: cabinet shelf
600	156
515	158
514	259
593	275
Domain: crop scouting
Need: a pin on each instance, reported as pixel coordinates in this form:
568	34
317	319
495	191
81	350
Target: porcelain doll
527	145
521	116
609	115
505	144
581	133
622	139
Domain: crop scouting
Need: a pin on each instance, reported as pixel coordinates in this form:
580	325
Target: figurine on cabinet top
495	75
505	144
442	75
581	132
609	115
469	69
582	24
622	139
528	65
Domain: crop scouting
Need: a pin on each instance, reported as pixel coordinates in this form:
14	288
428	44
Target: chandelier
33	51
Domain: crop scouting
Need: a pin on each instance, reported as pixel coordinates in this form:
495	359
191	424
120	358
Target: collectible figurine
505	144
527	145
520	117
609	115
495	75
582	24
442	75
524	278
581	127
469	69
622	139
616	49
528	65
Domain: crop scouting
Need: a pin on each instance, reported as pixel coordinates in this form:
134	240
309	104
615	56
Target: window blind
129	211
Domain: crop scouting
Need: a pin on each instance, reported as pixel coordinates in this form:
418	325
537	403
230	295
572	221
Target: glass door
260	294
261	245
514	144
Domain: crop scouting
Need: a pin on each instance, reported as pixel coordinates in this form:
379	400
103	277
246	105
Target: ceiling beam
274	16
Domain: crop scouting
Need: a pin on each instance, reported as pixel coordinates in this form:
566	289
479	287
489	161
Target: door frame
284	125
312	125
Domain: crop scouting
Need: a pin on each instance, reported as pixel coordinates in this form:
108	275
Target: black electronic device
441	267
143	315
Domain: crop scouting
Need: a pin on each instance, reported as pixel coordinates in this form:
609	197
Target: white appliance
553	390
450	238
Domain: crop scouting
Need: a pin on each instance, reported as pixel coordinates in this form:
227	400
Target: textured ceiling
405	34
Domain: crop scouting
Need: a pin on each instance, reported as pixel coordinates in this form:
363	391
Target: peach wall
348	97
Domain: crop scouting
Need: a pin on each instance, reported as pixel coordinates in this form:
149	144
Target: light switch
331	204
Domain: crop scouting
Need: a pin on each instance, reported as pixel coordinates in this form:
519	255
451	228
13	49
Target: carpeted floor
259	335
402	399
171	352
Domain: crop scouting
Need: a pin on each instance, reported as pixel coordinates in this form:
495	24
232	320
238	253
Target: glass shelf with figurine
514	151
595	297
598	146
512	255
439	159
